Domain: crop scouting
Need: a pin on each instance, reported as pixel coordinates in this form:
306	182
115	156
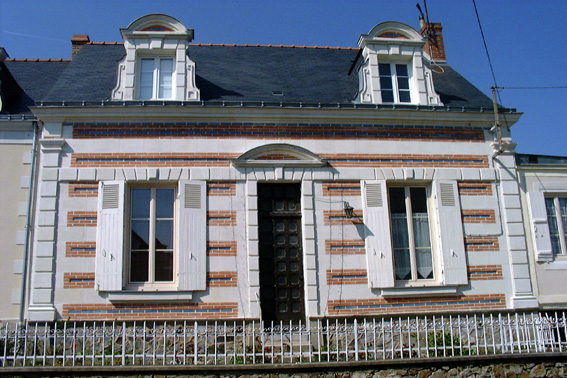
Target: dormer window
394	83
392	67
156	78
156	65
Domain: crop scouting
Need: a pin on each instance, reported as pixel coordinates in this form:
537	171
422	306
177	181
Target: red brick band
81	218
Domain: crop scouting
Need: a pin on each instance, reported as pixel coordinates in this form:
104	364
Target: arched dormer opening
393	70
156	65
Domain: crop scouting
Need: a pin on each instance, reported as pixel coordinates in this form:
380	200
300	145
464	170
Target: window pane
385	83
387	96
165	78
424	263
402	70
384	69
141	203
403	84
140	238
563	211
146	79
402	264
553	226
405	96
418	200
397	200
164	266
164	203
164	234
139	266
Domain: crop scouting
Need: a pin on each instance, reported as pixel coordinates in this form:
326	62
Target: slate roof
250	74
35	78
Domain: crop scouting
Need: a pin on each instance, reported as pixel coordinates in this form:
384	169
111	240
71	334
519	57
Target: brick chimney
434	47
77	41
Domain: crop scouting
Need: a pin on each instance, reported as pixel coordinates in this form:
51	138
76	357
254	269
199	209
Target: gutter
28	226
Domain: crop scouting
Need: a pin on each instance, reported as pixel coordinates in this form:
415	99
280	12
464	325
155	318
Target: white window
156	78
165	237
394	82
556	208
401	244
411	239
152	235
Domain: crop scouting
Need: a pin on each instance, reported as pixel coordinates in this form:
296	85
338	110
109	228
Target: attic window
392	35
277	93
157	28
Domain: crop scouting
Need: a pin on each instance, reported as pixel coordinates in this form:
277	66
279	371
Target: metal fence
117	343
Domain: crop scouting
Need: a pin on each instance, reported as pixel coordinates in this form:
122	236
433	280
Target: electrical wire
540	87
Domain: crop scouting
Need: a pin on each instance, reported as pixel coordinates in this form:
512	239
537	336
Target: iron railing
121	343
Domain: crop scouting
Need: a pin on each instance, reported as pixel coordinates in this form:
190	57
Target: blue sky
525	38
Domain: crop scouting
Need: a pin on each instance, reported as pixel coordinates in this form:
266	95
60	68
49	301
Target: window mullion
156	79
411	236
560	225
395	82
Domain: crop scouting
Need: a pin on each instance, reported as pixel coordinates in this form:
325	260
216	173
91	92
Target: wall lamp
349	210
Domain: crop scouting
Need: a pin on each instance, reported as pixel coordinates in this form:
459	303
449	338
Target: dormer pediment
156	65
279	155
393	70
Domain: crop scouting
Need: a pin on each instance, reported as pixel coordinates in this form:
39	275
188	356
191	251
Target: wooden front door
281	257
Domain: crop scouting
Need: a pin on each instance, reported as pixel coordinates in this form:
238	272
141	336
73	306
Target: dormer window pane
146	79
165	78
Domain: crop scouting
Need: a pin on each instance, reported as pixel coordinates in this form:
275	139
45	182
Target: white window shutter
540	227
378	235
110	236
452	242
192	236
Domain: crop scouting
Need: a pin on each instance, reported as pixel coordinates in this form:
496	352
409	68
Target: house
20	83
283	183
543	181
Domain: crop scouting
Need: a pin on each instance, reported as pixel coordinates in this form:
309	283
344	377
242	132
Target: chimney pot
77	41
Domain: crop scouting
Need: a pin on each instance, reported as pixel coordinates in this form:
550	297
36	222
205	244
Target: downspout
28	226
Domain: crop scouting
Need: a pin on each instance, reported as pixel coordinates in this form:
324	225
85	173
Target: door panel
281	257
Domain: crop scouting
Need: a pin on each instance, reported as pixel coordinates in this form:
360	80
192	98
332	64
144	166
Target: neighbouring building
196	181
543	181
20	83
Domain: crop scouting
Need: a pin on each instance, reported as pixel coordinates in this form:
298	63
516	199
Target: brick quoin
485	272
475	188
481	244
345	247
221	218
83	189
416	305
78	280
347	277
222	279
478	216
221	188
221	248
351	188
81	218
339	217
80	249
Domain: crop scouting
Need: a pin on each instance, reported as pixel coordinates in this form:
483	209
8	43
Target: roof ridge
281	46
38	60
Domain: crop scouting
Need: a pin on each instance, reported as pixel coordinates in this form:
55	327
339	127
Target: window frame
395	82
415	281
156	77
151	283
561	226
